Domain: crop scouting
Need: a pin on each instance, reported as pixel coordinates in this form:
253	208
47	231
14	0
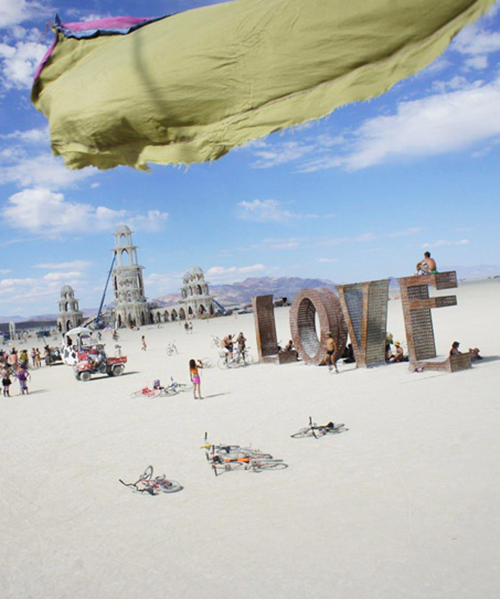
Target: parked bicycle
207	362
175	387
319	430
147	484
224	458
147	392
172	349
235	359
231	450
215	341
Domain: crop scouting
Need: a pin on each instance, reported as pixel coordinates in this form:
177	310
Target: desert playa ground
402	505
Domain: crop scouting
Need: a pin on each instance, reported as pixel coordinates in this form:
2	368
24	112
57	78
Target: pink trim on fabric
44	60
109	23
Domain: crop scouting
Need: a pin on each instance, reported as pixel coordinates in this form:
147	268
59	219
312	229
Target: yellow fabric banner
190	87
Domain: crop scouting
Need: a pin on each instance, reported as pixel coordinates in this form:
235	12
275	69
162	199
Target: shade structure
80	331
190	87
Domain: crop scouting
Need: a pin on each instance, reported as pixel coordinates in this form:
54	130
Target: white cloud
475	40
78	264
268	156
13	12
368	237
434	125
62	277
18	63
477	63
47	213
153	220
28	292
43	170
443	242
218	273
455	83
270	211
267	245
32	136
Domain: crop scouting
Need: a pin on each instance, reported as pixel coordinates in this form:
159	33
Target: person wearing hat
398	352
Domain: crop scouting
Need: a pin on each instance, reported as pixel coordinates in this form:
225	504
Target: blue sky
356	196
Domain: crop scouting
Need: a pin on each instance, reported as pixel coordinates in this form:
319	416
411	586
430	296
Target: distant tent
190	87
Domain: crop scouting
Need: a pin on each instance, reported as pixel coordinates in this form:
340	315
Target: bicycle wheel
169	391
182	387
255	453
268	465
154	393
337	428
248	360
147	474
304	432
207	362
137	393
222	364
168	486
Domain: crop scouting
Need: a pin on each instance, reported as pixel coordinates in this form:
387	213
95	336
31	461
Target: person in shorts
194	373
6	382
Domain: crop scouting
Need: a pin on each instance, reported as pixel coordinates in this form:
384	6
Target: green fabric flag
190	87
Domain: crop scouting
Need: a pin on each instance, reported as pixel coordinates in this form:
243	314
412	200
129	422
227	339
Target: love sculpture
360	309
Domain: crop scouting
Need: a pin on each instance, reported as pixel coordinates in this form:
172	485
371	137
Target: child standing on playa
144	344
194	373
22	376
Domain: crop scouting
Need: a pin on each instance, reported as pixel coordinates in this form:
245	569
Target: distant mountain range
236	294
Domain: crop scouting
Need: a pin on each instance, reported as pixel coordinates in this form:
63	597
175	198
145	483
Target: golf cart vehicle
94	362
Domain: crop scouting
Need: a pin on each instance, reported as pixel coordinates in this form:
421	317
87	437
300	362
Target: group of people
230	344
14	366
474	351
394	350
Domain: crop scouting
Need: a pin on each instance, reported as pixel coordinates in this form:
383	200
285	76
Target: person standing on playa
13	357
22	376
427	265
194	373
6	382
331	353
144	345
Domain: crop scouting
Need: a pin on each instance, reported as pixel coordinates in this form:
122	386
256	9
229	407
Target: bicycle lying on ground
319	430
147	392
175	387
172	349
232	457
172	389
147	484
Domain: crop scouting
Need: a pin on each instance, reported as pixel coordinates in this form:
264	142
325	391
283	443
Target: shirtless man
427	265
331	350
227	345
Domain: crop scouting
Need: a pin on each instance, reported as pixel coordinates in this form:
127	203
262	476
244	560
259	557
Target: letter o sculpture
326	304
